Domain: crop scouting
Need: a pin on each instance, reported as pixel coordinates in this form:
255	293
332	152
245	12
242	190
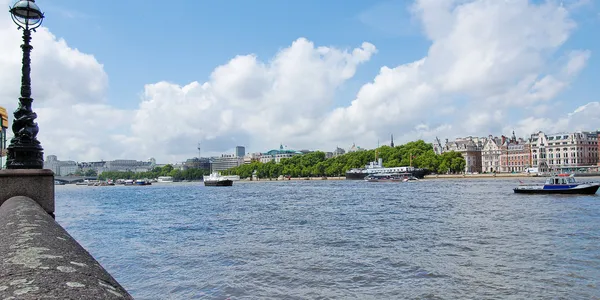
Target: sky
154	78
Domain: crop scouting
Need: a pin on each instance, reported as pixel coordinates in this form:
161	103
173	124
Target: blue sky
183	41
142	42
473	67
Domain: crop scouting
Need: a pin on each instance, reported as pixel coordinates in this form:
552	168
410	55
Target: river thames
432	239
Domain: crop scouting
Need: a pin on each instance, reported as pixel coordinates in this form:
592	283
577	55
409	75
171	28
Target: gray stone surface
40	260
35	184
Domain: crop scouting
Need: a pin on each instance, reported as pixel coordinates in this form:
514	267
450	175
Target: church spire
392	143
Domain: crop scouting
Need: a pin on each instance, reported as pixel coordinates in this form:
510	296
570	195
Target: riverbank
294	179
437	176
500	175
491	176
442	176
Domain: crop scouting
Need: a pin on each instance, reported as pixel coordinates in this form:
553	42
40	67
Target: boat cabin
561	179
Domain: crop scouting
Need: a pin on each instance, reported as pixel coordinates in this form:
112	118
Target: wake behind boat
215	179
559	184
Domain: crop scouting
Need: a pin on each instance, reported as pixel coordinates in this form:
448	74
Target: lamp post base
25	157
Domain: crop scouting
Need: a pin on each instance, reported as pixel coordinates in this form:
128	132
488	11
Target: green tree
90	173
166	170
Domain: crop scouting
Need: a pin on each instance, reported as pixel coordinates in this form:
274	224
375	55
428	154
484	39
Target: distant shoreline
496	175
428	177
500	175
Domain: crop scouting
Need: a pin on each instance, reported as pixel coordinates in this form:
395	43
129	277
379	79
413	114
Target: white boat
164	179
215	179
393	177
376	167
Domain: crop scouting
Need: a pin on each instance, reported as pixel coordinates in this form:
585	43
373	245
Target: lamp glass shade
26	12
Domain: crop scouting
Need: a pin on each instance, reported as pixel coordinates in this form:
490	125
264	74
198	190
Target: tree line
418	154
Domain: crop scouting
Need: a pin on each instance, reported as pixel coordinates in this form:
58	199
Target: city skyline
353	147
232	74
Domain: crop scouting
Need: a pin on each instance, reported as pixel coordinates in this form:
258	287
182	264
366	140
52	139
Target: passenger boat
387	177
215	179
376	167
559	184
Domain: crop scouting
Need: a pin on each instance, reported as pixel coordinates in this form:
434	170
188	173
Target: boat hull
384	180
588	190
226	182
418	173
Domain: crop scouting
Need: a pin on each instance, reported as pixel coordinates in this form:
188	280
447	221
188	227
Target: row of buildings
541	152
228	161
573	151
214	164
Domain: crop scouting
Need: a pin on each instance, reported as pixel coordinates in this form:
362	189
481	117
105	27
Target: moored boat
559	184
376	167
164	179
143	182
393	177
215	179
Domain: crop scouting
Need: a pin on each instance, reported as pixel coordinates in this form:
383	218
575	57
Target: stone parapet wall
40	260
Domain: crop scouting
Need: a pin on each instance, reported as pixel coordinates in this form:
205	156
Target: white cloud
487	58
68	88
489	63
247	101
584	118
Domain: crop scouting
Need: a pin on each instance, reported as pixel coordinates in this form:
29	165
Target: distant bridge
73	179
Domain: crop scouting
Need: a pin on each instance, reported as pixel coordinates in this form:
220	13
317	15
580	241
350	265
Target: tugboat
559	184
215	179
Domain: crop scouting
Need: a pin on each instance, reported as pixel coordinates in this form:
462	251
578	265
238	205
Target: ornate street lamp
25	151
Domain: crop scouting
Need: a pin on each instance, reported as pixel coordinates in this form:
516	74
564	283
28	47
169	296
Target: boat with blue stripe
559	184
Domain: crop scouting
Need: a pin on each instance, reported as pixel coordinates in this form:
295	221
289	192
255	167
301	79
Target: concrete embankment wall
40	260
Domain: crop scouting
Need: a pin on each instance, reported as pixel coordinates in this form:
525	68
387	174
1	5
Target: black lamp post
25	151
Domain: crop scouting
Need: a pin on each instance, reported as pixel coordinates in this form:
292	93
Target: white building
469	147
60	168
490	154
277	155
225	162
560	151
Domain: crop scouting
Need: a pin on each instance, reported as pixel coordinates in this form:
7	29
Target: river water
432	239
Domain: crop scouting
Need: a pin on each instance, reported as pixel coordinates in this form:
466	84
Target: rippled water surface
433	239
